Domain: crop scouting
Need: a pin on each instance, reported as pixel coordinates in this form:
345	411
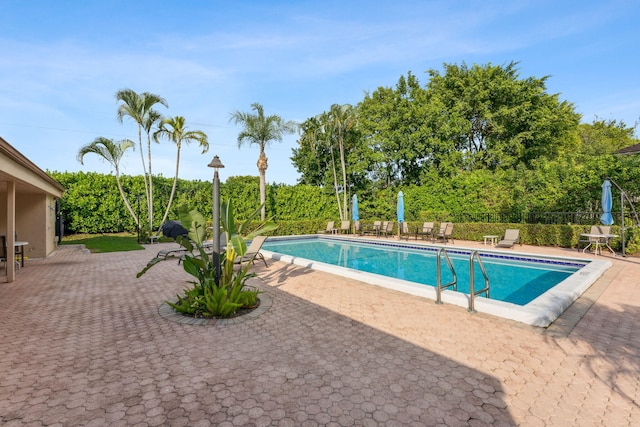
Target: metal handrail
472	291
439	286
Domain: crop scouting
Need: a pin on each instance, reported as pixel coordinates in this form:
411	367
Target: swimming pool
530	289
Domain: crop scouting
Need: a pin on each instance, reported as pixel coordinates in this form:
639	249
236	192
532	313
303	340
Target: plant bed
219	291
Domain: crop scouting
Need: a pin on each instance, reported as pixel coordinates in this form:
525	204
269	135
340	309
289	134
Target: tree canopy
463	119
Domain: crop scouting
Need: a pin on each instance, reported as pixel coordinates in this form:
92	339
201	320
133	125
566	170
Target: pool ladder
472	291
439	285
454	282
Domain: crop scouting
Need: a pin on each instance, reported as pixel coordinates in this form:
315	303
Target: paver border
165	311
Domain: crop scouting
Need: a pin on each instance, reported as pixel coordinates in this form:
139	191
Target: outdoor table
375	228
493	239
21	245
599	240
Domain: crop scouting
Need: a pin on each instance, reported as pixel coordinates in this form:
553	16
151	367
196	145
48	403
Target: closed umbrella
400	207
606	218
354	211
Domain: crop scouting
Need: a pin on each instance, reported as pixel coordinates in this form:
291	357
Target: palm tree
139	107
330	130
261	130
342	119
112	152
173	129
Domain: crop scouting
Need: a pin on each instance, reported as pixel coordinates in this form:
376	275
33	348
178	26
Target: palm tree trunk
144	170
344	182
262	168
124	198
173	191
335	182
150	184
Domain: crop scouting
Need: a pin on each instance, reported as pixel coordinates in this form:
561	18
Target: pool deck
83	342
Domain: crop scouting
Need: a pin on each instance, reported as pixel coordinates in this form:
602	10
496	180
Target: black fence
580	218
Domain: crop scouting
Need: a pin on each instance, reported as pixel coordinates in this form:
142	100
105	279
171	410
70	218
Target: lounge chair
511	237
330	228
345	227
172	253
445	233
253	252
427	230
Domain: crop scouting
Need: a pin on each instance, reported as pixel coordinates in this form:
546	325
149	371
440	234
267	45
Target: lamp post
215	256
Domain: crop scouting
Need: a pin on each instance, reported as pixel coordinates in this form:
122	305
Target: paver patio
82	343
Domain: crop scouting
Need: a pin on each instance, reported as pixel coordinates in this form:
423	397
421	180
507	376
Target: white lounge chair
253	252
330	228
511	237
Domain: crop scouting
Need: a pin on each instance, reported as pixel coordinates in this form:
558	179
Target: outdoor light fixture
215	256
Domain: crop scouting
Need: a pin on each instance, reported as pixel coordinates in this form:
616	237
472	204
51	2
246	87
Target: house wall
35	222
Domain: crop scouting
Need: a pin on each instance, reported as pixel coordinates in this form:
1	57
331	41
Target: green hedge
565	236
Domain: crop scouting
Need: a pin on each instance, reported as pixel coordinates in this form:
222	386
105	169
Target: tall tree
498	119
605	136
330	137
174	129
139	107
112	152
261	130
395	121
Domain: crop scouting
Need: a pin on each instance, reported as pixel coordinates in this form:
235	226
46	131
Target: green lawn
119	242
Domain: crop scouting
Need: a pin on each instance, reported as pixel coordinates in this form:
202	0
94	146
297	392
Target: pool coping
541	312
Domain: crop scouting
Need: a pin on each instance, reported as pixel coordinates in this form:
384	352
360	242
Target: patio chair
404	230
253	252
345	227
373	229
593	240
3	255
330	228
511	237
427	230
357	228
445	232
387	228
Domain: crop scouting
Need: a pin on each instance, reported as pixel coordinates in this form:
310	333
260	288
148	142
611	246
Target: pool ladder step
439	285
472	291
454	283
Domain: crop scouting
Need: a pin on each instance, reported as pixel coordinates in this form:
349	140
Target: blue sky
63	61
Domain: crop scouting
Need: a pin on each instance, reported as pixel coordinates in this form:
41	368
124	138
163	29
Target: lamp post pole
215	256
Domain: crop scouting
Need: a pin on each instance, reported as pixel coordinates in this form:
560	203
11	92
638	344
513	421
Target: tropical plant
112	152
209	297
261	130
174	129
139	107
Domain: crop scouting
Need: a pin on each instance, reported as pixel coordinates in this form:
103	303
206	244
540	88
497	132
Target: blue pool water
513	279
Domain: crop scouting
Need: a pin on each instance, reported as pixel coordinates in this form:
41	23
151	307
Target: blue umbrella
354	212
606	217
400	207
